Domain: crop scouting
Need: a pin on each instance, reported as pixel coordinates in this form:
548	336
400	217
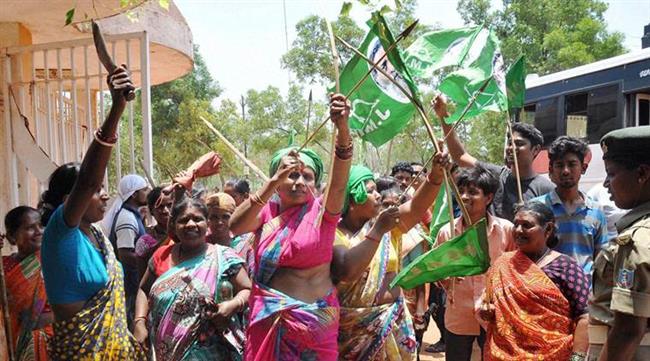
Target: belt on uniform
598	335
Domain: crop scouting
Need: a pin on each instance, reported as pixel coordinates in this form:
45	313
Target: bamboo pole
422	114
335	64
400	37
236	151
514	156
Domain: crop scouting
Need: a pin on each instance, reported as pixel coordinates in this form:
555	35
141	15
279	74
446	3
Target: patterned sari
177	303
533	318
282	327
98	331
27	302
369	331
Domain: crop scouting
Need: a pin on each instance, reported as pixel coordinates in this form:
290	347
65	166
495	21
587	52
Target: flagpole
514	156
356	86
335	64
422	114
468	106
230	146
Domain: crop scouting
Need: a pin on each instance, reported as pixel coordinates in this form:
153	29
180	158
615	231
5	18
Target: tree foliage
553	34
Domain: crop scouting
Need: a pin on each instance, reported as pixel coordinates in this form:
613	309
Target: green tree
553	35
310	57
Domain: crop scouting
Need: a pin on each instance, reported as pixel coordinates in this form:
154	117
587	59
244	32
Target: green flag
440	214
483	63
516	83
438	49
465	255
379	108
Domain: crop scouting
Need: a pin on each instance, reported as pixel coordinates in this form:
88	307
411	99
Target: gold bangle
255	198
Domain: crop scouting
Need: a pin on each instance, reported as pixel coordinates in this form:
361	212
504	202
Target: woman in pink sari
294	312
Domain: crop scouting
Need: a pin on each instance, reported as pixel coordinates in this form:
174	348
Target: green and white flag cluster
476	52
380	110
483	63
438	49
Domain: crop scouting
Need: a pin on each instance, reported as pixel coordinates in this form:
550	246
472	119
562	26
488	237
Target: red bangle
372	239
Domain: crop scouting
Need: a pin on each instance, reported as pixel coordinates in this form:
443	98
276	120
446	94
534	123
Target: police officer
620	305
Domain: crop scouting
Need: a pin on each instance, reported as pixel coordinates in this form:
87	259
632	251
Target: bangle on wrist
141	318
434	183
577	356
376	240
106	142
255	198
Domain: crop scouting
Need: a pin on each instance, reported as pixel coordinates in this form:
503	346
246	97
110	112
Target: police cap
629	144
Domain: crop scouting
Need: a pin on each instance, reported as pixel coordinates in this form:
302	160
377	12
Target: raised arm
348	264
411	212
454	145
93	166
339	112
246	217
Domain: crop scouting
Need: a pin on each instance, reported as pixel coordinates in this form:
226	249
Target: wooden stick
423	115
234	149
468	106
356	86
5	314
450	205
335	64
514	156
146	173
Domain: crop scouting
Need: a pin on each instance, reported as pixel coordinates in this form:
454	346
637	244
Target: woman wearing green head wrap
366	261
294	309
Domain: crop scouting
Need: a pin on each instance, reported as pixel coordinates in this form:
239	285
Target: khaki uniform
622	281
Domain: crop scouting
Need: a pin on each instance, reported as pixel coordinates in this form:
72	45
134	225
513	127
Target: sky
242	41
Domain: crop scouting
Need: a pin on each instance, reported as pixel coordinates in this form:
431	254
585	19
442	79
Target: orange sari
533	318
27	302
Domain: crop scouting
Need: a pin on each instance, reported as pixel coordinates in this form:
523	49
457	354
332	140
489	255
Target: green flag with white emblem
465	255
483	63
379	108
438	49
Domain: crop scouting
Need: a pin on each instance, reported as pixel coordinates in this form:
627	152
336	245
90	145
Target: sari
414	244
532	316
369	331
27	302
99	331
178	300
243	246
280	326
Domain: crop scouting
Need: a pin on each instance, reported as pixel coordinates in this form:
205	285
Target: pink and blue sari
282	327
178	301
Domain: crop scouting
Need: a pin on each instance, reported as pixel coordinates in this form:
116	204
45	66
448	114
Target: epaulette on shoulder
629	234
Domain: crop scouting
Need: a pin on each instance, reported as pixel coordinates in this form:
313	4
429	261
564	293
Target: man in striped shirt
581	223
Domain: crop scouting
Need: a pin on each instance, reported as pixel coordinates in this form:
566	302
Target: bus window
602	112
576	115
528	115
642	109
546	119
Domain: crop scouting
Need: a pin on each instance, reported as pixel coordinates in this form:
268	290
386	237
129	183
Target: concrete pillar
11	34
